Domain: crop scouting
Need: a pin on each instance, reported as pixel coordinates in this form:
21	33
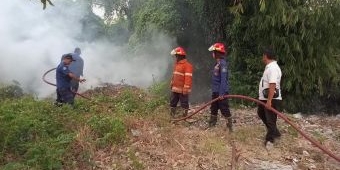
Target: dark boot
185	113
172	112
230	124
213	120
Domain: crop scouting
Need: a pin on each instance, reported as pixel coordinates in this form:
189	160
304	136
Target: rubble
268	165
298	115
135	133
337	116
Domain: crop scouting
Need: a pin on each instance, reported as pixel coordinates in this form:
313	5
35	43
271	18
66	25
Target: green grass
37	135
247	134
136	163
214	145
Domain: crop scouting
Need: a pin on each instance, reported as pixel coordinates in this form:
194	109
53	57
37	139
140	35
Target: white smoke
33	40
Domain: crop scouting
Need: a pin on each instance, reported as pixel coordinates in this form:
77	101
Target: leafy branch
44	2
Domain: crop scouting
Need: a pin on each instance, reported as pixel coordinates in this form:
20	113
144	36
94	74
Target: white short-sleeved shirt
271	74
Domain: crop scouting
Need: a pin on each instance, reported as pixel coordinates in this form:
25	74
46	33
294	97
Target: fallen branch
183	149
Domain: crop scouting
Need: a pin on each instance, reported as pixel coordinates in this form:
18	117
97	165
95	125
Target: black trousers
183	98
65	95
269	119
222	105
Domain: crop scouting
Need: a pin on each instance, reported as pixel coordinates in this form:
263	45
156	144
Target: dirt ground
156	143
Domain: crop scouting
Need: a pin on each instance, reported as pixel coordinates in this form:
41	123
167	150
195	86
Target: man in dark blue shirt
219	86
64	77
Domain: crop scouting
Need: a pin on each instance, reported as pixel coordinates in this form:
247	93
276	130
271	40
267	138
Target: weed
319	136
107	130
136	164
247	133
127	102
337	136
214	145
31	135
14	166
11	91
293	132
160	89
36	135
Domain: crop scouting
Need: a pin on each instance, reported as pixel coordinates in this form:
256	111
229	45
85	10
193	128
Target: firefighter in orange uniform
181	82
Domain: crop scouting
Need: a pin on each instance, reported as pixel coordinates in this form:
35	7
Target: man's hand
185	92
220	98
269	104
82	80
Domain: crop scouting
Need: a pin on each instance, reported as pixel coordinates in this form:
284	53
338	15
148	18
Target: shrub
31	135
107	130
127	102
11	91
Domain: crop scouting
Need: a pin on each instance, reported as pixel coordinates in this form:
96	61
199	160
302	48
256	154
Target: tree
305	35
45	2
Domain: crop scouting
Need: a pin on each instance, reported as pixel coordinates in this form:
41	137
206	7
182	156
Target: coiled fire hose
282	116
44	79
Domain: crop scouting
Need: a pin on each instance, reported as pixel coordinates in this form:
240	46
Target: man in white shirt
270	93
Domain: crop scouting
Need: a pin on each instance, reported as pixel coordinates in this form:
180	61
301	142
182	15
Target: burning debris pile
112	90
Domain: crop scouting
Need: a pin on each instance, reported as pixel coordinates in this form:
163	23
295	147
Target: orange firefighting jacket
182	77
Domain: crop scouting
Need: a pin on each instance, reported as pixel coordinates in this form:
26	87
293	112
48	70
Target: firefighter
220	85
181	82
64	77
76	67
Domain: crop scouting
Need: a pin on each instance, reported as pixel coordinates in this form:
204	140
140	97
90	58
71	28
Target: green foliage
305	35
29	134
49	153
107	130
160	91
11	91
152	16
136	163
127	101
37	135
117	32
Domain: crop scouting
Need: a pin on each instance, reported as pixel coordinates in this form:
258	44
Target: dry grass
161	144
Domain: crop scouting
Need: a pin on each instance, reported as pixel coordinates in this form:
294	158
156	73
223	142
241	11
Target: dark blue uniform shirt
220	82
63	80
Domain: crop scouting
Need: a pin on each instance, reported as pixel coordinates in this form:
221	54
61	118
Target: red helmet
178	51
217	47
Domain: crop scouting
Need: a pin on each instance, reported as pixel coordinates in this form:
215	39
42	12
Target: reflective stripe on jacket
182	77
219	83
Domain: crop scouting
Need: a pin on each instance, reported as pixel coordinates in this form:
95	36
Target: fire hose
281	115
44	79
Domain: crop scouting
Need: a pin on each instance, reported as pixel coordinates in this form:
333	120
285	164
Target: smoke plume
33	41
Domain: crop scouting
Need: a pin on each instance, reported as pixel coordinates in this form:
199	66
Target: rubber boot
213	120
172	112
230	124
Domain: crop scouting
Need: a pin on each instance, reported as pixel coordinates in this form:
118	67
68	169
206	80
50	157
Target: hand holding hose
82	80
